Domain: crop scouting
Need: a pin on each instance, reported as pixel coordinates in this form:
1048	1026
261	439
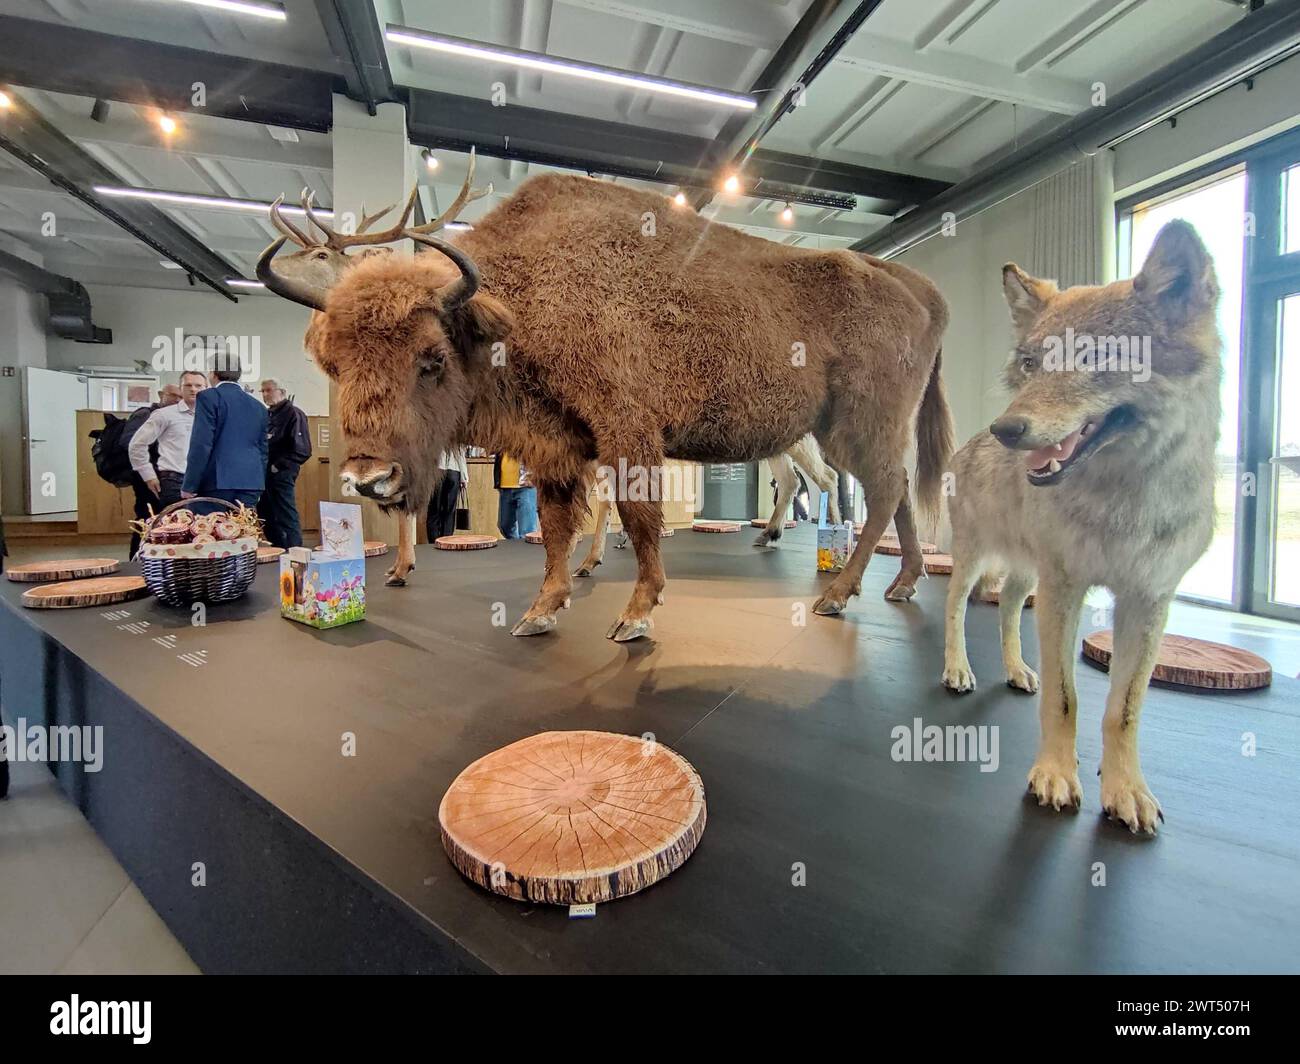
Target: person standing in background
288	446
517	506
227	457
168	395
170	427
440	520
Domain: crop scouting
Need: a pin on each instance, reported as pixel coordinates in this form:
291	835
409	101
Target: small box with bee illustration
328	587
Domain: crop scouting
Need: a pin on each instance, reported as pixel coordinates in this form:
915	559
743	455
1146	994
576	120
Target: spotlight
430	160
732	184
6	101
680	199
787	215
167	124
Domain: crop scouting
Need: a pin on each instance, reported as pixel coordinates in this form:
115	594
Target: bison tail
935	442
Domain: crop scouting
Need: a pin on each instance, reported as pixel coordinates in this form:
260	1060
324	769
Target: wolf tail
935	442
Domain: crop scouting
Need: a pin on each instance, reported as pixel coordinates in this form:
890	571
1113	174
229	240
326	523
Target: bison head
404	340
407	345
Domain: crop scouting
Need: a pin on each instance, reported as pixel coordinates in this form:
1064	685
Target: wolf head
1122	369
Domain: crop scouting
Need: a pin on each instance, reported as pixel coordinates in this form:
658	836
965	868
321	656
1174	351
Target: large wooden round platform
375	548
268	554
717	526
1190	662
572	817
97	591
532	537
889	545
465	541
993	597
938	564
62	569
759	522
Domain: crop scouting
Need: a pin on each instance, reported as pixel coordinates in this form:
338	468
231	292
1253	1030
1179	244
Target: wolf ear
1026	295
1178	275
483	320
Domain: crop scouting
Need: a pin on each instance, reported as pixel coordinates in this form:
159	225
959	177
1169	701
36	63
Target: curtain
1074	224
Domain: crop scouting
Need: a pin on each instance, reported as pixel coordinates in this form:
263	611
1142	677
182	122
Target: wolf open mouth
1049	464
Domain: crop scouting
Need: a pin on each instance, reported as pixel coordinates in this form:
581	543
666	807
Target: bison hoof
542	622
899	591
829	605
625	631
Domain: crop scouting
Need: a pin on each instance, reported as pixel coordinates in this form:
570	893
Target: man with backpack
170	427
112	454
288	439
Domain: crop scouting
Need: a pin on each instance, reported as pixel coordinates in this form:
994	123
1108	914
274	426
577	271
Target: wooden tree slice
268	554
532	537
664	533
375	548
938	564
62	569
717	526
97	591
758	522
993	598
465	541
1190	662
889	545
571	817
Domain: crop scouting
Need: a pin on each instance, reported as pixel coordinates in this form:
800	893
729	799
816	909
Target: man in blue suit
227	458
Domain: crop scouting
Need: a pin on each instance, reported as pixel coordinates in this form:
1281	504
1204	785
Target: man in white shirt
170	428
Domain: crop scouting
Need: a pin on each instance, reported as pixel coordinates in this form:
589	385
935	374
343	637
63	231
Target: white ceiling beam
762	25
952	22
954	72
1089	22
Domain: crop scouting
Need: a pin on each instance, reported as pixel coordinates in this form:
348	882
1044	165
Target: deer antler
342	241
287	227
466	195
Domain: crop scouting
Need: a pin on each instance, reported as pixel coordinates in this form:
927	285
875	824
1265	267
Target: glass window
1285	583
1217	209
1291	210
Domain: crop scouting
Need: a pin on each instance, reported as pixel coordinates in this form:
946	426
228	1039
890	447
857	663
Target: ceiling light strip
565	67
242	7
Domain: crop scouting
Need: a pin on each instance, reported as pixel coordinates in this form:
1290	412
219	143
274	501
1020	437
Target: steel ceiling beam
357	39
528	134
146	73
818	36
28	137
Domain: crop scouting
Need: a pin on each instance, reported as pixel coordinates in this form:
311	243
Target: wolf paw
1127	799
959	678
1056	785
1023	678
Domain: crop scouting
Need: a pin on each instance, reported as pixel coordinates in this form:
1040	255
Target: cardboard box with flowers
326	587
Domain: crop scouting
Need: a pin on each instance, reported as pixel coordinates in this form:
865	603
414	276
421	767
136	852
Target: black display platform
316	861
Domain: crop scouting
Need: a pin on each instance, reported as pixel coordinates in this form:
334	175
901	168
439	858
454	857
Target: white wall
967	267
138	315
1220	126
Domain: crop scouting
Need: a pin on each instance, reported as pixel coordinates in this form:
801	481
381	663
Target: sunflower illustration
286	589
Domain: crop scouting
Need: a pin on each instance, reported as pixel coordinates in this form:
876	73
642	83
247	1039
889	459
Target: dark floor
789	721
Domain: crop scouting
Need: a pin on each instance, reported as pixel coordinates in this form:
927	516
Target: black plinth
318	861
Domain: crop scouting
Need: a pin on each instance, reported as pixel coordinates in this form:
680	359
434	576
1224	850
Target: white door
50	403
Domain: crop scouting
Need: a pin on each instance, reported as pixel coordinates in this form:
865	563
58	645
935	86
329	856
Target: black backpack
109	451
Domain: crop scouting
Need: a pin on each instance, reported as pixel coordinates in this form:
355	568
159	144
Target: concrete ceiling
934	88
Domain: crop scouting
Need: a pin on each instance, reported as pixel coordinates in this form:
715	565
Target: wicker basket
181	574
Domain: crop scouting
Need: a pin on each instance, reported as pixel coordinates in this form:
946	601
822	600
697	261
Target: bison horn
460	291
290	288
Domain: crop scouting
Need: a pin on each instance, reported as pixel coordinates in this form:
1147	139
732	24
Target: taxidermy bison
584	322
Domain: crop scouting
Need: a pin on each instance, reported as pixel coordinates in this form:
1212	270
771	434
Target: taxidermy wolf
584	322
1099	472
